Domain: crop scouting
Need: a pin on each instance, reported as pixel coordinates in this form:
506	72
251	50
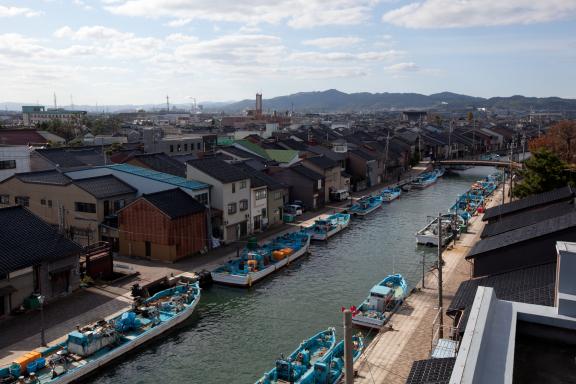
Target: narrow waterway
235	335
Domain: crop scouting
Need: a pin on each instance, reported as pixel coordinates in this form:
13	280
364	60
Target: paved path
389	357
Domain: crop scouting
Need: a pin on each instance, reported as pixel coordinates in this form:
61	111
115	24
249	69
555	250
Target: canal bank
414	330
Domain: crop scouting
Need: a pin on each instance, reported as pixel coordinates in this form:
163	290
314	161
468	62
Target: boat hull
366	212
248	280
368	322
90	367
332	232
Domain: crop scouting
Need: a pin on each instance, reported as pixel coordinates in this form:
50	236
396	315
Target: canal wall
411	331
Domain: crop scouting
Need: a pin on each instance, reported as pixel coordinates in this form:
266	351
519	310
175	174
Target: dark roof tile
306	172
218	169
44	177
27	240
102	187
175	203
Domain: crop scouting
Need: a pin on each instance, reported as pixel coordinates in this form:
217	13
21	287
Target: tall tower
258	105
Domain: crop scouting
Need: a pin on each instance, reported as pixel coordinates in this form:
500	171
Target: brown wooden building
165	226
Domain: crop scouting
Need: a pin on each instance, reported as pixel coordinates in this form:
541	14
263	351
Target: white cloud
295	13
82	4
346	56
479	13
10	11
333	42
403	67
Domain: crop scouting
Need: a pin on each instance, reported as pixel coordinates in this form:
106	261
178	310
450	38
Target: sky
138	51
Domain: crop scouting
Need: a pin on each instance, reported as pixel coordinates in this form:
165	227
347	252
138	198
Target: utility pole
348	349
423	269
440	262
510	162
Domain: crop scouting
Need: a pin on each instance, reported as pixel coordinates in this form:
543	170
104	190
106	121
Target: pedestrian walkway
390	355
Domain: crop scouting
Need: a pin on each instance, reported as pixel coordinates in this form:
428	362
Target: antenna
55	104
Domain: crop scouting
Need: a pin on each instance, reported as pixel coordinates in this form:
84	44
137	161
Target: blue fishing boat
330	368
390	194
324	228
292	368
256	262
366	205
425	180
383	301
440	171
89	348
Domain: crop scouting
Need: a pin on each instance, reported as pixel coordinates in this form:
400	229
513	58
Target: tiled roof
529	232
218	169
281	155
26	240
533	285
431	371
175	203
102	187
240	153
258	178
556	195
306	172
21	137
161	162
72	157
336	156
362	154
160	176
255	148
522	219
44	177
322	162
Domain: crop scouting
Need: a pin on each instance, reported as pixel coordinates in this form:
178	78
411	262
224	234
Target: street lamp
42	335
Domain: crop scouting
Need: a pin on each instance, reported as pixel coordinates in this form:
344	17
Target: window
4	199
43	202
243	205
261	194
202	198
22	200
7	164
231	208
186	147
119	204
278	195
178	148
85	207
233	187
148	248
263	212
171	148
50	203
243	184
199	146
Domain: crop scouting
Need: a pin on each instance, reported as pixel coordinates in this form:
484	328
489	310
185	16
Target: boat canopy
380	290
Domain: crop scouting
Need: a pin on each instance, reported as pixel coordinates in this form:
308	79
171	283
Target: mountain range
333	100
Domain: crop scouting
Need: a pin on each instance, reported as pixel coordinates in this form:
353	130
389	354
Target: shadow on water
236	334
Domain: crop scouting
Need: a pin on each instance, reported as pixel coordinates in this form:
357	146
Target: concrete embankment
390	355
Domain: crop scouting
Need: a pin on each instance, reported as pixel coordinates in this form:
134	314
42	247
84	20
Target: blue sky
139	51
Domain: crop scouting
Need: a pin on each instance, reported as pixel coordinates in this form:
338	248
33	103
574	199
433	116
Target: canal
235	335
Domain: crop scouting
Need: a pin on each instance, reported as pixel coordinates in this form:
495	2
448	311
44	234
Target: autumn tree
560	139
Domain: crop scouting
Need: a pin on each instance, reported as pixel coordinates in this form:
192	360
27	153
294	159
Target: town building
331	170
34	259
305	184
231	195
165	226
36	114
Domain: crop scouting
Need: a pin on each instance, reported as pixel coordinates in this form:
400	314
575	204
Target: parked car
339	195
300	203
293	209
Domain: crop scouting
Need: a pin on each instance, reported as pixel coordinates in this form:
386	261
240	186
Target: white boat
254	265
325	228
429	234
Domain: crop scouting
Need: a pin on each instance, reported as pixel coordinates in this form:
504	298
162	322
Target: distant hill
333	100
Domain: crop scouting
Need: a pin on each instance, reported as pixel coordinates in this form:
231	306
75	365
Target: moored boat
258	262
330	368
295	366
390	194
424	180
440	171
383	301
429	234
324	228
366	205
89	348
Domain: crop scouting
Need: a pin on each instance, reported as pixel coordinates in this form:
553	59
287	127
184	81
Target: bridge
480	163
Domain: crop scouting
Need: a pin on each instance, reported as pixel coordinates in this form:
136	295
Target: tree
542	172
560	139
